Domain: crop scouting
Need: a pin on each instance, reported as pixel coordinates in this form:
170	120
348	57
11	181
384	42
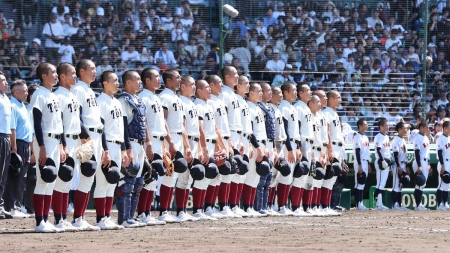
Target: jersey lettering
336	122
156	108
308	117
193	113
73	107
54	106
245	112
235	104
219	111
116	113
91	102
447	145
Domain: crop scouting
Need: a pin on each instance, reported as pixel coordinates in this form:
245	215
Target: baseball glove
220	157
169	165
85	152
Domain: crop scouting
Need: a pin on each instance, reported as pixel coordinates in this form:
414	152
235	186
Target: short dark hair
399	125
147	73
446	124
168	74
128	75
43	68
31	89
286	86
106	75
382	121
360	122
17	83
82	64
63	68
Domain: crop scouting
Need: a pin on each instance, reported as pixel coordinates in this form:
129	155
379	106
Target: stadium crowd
372	53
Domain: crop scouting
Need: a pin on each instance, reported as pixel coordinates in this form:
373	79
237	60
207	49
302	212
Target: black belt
294	140
317	148
426	160
115	142
281	142
238	132
269	140
55	136
407	162
161	138
263	141
4	135
325	145
211	141
193	138
72	136
19	140
137	141
179	133
226	137
95	130
309	140
337	143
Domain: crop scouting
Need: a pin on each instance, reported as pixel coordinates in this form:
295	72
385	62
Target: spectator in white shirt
104	66
63	3
393	42
130	54
179	33
142	22
165	55
275	65
372	21
185	14
54	33
67	52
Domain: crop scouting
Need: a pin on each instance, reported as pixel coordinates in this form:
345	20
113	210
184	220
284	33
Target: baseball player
318	152
421	163
187	90
262	193
91	131
71	125
136	139
21	137
156	125
291	149
280	140
207	125
5	143
176	141
48	128
113	141
324	192
231	102
259	142
361	152
335	143
399	167
443	154
221	117
383	152
301	187
237	181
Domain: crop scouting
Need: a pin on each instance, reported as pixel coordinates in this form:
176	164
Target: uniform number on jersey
54	106
116	113
73	107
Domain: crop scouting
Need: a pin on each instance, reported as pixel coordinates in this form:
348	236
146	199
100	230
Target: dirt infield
354	231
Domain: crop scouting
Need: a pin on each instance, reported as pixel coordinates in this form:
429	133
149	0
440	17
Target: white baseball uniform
259	130
111	113
193	133
156	125
337	140
443	144
234	113
72	129
207	118
317	145
48	104
361	142
175	121
382	141
422	144
90	116
280	140
221	117
290	115
306	134
245	135
398	146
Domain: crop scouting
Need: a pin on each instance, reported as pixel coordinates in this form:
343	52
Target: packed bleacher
372	52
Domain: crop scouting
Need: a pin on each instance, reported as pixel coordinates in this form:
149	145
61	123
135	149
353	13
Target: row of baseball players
139	125
385	149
